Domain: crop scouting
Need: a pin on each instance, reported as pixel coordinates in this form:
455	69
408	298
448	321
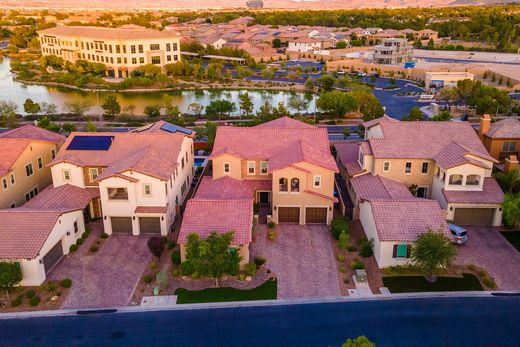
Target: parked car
460	235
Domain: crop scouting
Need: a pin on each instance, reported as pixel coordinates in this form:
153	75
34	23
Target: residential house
283	165
502	138
26	151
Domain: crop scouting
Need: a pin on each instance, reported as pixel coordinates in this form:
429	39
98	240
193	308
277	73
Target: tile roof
150	209
508	128
490	194
376	121
64	198
369	186
227	188
404	220
158	127
23	233
151	153
455	155
286	140
348	153
32	132
204	216
103	33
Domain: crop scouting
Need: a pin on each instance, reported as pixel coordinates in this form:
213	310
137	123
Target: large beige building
393	51
120	49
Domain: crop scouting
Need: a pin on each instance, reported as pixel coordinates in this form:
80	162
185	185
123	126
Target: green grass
266	291
513	237
410	284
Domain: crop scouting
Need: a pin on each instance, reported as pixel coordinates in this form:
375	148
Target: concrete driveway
302	259
487	248
107	278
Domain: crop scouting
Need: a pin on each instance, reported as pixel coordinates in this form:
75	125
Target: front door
422	192
264	198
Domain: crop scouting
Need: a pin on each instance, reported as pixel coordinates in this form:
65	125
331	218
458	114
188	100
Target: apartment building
393	51
120	49
283	165
25	153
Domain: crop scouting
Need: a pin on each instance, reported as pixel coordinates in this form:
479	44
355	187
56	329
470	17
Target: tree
45	123
337	103
156	245
219	107
111	106
309	83
442	116
10	275
433	250
211	257
79	106
298	104
368	104
246	104
326	82
170	108
130	109
48	108
361	341
277	43
511	210
195	109
211	132
414	115
31	107
508	181
8	117
90	127
341	44
68	127
152	111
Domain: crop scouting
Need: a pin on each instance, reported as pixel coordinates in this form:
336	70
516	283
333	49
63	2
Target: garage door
150	225
474	216
52	257
121	225
288	215
316	215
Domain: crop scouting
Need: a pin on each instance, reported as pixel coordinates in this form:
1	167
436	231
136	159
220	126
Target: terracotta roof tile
455	155
32	132
508	128
348	154
490	194
102	33
63	198
369	186
285	122
227	188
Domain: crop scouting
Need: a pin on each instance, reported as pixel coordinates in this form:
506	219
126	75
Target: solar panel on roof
90	143
173	129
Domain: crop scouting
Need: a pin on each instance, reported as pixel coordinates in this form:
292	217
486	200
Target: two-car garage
147	225
474	216
313	215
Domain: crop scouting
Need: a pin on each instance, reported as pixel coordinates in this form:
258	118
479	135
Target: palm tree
508	181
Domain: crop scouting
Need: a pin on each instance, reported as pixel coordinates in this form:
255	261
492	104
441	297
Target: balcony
117	194
507	154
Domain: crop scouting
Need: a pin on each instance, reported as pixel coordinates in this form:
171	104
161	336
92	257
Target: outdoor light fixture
133	217
451	208
275	208
162	218
68	233
105	217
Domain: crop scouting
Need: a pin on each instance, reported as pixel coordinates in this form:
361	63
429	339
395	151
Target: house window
147	189
29	170
473	180
360	158
66	175
263	168
132	49
93	173
182	163
283	184
168	47
141	49
31	194
141	60
227	167
317	181
76	229
156	59
402	251
134	61
174	46
424	168
13	205
117	194
169	58
456	180
295	185
4	183
40	163
509	147
386	166
250	167
408	168
13	181
154	47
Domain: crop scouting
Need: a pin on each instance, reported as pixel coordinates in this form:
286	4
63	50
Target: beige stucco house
25	153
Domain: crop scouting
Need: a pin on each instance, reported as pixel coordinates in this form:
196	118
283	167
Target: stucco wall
76	175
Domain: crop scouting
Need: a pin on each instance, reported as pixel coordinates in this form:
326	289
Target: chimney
510	163
485	125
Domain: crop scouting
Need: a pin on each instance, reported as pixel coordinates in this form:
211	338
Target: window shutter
408	251
394	253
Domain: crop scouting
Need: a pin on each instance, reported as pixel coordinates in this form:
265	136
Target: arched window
473	180
283	182
456	179
295	185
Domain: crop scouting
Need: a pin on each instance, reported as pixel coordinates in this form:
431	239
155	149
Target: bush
66	283
346	281
73	248
259	261
104	236
93	248
357	264
34	301
171	244
271	225
30	293
343	269
241	277
79	242
250	269
338	225
352	249
341	258
271	235
50	287
366	248
156	245
84	235
176	257
147	278
16	302
343	240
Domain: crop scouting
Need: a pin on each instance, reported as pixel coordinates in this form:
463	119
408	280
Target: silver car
460	235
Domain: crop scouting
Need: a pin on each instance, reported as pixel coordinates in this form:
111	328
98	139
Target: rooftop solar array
90	143
174	128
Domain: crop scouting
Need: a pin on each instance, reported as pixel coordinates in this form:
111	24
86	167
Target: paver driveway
302	259
488	249
107	278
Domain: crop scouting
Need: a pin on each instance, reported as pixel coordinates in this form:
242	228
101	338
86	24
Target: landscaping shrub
241	277
343	269
147	278
175	273
104	236
250	269
346	281
84	235
366	248
93	248
259	261
79	242
271	225
16	302
50	287
73	248
34	301
271	235
357	264
156	245
30	293
176	257
338	225
343	240
171	244
66	283
352	249
341	258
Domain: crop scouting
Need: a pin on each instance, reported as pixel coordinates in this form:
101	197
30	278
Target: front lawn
410	284
267	291
513	237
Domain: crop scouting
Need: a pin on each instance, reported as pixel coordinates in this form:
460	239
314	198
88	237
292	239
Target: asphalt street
470	321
